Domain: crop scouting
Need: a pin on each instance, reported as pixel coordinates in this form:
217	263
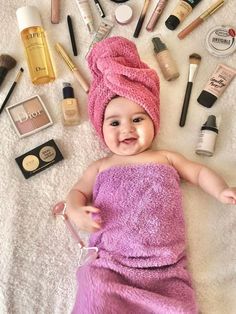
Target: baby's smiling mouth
129	140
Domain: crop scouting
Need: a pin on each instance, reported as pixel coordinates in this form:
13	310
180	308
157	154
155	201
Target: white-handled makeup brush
194	61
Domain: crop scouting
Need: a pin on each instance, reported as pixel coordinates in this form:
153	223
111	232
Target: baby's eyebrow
141	112
112	117
134	114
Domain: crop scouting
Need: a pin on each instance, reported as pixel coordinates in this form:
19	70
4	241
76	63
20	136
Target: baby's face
127	128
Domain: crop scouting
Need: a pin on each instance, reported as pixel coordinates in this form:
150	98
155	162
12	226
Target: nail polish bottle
69	106
207	138
167	64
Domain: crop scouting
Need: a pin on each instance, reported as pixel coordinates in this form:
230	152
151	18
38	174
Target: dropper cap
210	124
68	91
158	45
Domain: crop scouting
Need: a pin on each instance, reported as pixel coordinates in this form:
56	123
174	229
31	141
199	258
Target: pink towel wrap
117	70
141	266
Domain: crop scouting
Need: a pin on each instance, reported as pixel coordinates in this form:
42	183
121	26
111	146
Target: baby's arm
206	178
78	198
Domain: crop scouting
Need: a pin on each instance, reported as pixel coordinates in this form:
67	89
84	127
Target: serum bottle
167	64
69	106
207	137
36	48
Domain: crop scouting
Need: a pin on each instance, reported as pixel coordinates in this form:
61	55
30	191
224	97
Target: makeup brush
141	18
6	63
11	89
194	61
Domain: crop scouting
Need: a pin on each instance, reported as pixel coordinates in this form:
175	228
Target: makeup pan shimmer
39	158
29	116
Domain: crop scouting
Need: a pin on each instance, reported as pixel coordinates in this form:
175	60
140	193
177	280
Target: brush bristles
195	58
7	62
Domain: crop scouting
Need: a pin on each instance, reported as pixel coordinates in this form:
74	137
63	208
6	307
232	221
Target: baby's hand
228	196
82	218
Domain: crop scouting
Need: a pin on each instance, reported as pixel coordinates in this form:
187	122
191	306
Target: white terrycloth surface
38	257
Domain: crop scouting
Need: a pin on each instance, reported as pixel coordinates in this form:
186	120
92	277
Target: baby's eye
114	123
137	120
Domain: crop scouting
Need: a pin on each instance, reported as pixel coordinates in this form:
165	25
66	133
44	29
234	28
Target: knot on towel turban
117	70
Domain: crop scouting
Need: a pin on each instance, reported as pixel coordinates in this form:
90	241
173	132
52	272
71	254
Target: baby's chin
128	152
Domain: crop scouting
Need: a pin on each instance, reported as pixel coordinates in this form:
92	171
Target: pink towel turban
118	71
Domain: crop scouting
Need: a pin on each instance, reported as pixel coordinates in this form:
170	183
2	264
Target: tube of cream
216	85
86	14
102	32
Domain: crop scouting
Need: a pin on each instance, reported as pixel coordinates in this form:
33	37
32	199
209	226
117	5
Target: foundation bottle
69	106
167	64
207	137
35	43
181	11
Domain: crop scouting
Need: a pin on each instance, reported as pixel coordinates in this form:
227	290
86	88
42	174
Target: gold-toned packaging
35	44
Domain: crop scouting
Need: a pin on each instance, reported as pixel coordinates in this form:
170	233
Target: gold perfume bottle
69	106
35	44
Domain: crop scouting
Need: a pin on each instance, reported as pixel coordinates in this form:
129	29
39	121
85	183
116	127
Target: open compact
29	116
39	158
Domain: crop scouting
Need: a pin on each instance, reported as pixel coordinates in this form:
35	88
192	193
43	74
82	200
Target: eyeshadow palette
39	158
29	116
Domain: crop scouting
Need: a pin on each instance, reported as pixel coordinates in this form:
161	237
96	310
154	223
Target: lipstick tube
55	11
156	14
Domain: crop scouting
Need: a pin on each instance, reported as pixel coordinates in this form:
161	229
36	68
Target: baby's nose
128	127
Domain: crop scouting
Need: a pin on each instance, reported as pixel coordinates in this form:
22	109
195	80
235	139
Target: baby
131	200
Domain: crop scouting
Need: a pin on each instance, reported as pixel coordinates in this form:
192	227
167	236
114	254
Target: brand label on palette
23	116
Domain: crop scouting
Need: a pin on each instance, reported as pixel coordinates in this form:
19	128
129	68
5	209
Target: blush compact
29	116
39	159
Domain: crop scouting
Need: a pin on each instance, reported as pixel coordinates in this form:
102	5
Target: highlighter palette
29	116
39	158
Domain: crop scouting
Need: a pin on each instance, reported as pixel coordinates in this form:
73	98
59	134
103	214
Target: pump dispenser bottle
35	44
207	137
165	60
69	106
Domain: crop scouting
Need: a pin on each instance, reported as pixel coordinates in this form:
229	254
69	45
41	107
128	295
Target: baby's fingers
92	226
90	209
232	200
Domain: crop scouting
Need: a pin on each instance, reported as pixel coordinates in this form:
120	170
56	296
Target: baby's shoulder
164	156
100	164
166	153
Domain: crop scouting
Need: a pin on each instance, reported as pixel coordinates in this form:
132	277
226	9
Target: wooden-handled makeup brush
194	61
6	63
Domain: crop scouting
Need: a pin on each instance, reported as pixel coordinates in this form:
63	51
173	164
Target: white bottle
207	137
